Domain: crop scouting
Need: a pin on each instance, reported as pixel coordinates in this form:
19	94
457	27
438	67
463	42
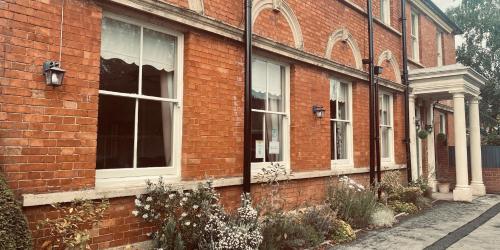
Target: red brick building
156	88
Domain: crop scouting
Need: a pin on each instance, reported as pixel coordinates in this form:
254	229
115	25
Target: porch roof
442	82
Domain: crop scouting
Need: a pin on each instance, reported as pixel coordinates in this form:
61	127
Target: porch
451	86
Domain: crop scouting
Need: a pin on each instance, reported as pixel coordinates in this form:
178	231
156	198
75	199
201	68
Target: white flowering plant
190	210
240	231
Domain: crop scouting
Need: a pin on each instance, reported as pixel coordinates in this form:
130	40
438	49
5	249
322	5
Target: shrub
286	232
239	232
382	217
189	210
321	218
70	229
352	204
423	203
403	207
14	232
411	194
391	183
343	232
169	238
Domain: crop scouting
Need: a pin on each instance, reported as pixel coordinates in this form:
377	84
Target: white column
413	139
431	154
462	191
475	149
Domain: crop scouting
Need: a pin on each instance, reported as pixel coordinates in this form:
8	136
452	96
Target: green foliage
480	23
423	185
353	205
403	207
422	134
423	203
343	232
286	232
382	217
169	238
14	232
70	229
391	183
321	218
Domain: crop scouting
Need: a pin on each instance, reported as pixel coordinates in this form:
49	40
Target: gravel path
425	229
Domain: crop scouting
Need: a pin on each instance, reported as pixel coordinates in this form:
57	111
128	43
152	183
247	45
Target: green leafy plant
351	202
422	134
320	217
71	229
284	231
343	232
403	207
169	238
441	137
14	232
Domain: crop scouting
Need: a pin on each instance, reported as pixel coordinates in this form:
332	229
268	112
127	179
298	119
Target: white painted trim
282	7
387	55
121	174
344	35
30	200
385	12
415	35
432	15
197	6
391	159
349	162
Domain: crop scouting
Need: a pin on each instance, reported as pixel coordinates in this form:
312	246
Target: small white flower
171	196
146	207
145	216
198	215
187	223
184	199
194	225
138	202
149	198
135	212
184	214
195	206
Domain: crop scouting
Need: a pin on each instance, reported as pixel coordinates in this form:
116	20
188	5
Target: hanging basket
422	134
441	137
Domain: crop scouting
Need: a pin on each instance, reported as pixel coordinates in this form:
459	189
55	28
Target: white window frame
256	167
388	160
122	176
385	11
439	43
349	162
442	123
414	35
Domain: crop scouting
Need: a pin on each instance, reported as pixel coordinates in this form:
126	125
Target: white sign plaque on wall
259	149
274	147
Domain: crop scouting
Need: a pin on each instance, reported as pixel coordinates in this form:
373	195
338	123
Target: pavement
448	225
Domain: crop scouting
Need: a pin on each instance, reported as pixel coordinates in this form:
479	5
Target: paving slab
486	236
423	230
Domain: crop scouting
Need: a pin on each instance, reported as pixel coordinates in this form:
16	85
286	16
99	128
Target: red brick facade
48	135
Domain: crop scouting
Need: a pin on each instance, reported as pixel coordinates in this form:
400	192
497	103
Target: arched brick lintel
282	7
388	56
344	35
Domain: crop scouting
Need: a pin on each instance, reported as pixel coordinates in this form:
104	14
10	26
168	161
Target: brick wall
48	135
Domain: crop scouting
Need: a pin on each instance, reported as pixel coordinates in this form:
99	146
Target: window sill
107	191
416	63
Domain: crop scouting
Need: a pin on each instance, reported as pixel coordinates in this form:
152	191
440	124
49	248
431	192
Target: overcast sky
445	4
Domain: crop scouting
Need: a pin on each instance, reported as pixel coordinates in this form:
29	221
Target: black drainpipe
373	112
247	147
406	83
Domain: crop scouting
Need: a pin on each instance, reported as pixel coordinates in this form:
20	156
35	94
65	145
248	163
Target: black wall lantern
378	70
319	111
54	75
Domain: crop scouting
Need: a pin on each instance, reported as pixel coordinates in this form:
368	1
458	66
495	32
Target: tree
480	50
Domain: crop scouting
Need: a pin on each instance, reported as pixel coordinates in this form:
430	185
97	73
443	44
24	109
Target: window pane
275	87
384	142
159	83
333	144
259	81
333	99
343	97
120	53
274	138
154	142
258	145
341	140
158	64
384	102
115	132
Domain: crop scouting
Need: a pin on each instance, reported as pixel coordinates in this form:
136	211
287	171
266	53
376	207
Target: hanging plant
441	137
422	134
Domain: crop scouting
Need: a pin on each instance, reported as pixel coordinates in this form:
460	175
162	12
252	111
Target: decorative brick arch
196	6
345	36
388	56
282	7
